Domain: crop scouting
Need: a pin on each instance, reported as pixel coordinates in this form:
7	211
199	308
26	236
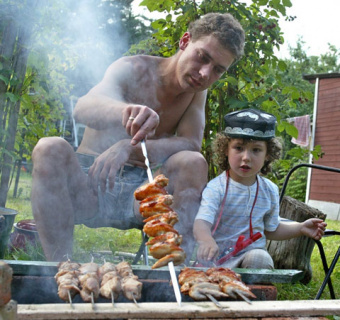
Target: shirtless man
162	99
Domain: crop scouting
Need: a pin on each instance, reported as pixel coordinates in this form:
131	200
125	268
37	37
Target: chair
328	270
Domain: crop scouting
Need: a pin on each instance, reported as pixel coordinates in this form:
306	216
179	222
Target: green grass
101	242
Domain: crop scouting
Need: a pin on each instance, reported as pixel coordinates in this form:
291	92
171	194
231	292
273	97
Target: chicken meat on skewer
230	282
153	188
67	280
155	204
170	218
169	237
161	249
188	277
177	257
215	282
156	228
111	286
236	288
105	268
201	290
159	223
89	281
131	286
68	284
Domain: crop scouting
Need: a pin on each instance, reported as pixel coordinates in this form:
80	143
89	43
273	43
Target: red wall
325	186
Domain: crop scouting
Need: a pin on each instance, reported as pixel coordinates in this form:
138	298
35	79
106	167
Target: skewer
92	300
217	304
69	298
112	298
134	300
244	297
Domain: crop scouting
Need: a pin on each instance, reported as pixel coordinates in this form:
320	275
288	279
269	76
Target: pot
25	231
7	217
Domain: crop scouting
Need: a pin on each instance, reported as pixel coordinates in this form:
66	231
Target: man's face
202	62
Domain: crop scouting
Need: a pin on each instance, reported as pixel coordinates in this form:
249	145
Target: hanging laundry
303	125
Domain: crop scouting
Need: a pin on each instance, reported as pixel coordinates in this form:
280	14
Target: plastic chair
328	270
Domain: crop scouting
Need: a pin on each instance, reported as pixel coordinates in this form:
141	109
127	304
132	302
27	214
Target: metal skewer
134	300
214	300
92	300
112	298
69	298
244	297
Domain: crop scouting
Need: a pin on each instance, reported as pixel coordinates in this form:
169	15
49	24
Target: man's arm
189	133
104	107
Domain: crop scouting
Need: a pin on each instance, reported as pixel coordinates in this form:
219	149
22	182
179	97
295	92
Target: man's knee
50	147
187	165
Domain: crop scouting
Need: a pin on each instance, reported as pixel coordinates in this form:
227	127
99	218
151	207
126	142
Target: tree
51	51
239	87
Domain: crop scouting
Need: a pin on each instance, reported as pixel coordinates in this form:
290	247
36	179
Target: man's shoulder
140	61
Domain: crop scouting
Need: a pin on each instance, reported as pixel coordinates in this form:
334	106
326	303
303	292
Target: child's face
246	158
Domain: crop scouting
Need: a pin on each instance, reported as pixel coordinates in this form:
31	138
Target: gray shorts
116	207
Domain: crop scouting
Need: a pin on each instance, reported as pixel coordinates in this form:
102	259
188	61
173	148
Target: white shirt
236	213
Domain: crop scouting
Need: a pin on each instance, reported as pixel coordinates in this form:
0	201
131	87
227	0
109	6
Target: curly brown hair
220	145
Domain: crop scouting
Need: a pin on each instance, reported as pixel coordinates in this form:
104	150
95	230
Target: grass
102	242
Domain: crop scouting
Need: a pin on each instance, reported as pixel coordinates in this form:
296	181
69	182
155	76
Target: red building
323	188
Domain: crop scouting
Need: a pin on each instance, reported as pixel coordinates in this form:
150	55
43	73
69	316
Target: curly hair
220	145
227	30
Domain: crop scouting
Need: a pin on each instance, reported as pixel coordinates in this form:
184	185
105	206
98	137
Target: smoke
84	37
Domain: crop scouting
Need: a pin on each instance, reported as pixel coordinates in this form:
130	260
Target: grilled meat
153	188
199	291
161	249
155	204
169	237
111	285
218	282
177	257
156	228
159	223
132	288
170	218
67	280
235	289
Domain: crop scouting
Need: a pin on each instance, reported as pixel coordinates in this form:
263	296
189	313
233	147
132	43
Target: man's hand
140	122
313	228
104	169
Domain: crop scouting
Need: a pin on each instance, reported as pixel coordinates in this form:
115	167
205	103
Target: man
140	96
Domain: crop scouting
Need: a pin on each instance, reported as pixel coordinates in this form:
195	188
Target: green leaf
282	65
292	130
4	79
12	97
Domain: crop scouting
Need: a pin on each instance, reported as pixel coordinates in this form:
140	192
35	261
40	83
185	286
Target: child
240	208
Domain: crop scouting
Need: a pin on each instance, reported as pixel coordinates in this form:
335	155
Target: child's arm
207	247
313	228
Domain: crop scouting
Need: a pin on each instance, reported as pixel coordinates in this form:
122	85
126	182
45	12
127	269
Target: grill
35	291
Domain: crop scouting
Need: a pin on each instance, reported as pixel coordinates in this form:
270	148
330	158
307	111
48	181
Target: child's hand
313	228
207	250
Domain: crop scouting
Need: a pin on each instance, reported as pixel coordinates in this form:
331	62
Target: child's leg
257	259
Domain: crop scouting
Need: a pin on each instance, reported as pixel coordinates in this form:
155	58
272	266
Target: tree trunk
19	71
295	253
